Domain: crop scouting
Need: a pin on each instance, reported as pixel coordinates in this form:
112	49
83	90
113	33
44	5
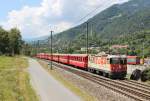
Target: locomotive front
118	66
113	66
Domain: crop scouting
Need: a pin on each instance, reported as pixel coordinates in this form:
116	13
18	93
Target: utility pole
51	51
143	50
109	47
35	48
91	32
126	44
38	46
87	32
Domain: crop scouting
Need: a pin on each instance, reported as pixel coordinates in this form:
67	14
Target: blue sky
36	18
9	5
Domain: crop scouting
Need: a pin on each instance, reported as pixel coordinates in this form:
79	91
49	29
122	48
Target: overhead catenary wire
88	14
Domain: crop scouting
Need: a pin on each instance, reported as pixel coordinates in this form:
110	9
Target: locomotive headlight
119	67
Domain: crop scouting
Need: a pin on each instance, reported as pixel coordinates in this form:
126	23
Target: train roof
132	56
110	56
117	56
97	55
68	54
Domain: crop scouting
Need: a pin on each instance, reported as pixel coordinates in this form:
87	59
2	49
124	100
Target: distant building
119	46
90	48
83	49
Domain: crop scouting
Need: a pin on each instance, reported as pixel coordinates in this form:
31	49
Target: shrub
145	76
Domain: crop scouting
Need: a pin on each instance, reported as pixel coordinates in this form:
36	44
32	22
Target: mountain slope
115	25
116	20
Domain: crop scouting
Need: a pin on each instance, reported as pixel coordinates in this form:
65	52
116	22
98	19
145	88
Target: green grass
14	80
82	94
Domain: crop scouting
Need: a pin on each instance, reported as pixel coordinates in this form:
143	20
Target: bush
145	76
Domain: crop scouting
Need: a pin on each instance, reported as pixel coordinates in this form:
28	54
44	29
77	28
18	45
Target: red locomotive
112	66
133	60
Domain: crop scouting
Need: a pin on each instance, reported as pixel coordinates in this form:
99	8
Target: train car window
131	60
123	61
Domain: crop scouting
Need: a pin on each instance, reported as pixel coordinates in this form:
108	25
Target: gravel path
46	86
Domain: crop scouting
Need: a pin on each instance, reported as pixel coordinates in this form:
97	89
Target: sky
35	18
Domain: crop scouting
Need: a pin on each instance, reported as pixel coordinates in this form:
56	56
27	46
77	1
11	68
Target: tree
15	41
4	41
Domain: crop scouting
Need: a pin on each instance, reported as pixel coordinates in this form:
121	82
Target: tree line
10	41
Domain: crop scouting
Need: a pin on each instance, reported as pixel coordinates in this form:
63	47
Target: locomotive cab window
114	61
123	61
118	61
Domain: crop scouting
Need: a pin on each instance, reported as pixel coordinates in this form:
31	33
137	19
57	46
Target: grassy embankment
14	80
84	95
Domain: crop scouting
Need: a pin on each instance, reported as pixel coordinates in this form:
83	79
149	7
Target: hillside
118	20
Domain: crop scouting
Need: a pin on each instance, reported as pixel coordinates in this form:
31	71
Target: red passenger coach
80	61
41	55
133	60
46	56
64	58
55	57
49	57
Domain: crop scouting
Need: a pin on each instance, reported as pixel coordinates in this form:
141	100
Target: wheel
105	74
92	70
89	70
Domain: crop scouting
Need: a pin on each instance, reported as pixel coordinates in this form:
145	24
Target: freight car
112	66
133	60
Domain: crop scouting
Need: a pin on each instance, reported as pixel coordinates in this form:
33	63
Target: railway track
132	89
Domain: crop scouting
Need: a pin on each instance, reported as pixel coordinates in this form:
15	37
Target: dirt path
46	86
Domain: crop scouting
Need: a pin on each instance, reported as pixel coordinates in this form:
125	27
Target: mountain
121	19
107	26
32	40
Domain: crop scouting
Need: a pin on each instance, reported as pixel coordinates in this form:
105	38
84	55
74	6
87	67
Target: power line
88	14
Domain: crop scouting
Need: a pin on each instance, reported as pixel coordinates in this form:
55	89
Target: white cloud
37	21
